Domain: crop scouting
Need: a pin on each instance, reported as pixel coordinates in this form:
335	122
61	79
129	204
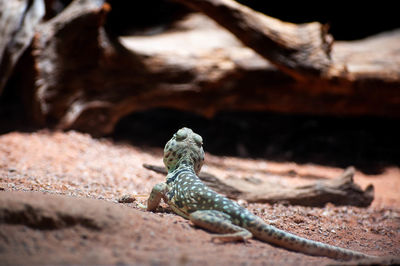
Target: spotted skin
186	194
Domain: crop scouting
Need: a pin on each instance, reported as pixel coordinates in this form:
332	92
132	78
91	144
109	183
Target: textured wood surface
18	20
75	76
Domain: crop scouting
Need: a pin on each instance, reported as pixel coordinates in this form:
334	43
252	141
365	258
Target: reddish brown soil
40	228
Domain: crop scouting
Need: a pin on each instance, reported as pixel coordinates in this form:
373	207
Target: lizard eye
181	134
198	139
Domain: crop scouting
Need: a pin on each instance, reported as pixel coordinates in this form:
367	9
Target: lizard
190	198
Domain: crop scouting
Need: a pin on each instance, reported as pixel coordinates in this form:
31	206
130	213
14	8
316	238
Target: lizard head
185	147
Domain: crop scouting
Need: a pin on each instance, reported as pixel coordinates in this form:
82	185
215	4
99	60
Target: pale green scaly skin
186	194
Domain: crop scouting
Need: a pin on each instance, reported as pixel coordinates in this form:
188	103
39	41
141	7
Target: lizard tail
290	241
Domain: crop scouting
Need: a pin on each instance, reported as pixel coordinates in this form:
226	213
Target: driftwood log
18	20
75	76
299	50
339	191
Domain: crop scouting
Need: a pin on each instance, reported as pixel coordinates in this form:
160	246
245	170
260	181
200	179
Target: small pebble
126	199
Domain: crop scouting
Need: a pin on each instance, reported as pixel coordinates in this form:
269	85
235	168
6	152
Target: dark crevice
368	143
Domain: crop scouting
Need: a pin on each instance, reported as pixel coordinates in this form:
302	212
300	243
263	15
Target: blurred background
369	142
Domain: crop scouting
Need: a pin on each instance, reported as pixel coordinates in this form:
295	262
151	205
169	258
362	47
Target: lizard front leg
158	192
219	222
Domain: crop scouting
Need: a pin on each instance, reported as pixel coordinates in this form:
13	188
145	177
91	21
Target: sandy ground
92	174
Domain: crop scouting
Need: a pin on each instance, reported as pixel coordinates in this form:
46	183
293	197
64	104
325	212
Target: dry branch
79	78
299	50
339	191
